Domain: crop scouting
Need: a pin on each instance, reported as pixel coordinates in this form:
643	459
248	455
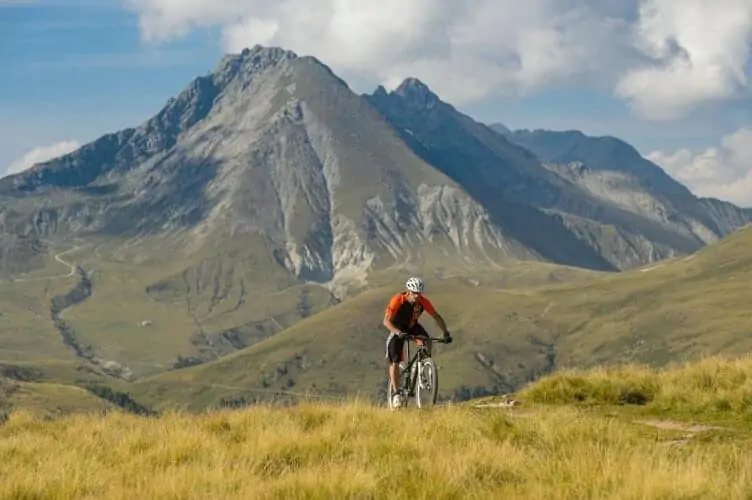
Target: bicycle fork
413	376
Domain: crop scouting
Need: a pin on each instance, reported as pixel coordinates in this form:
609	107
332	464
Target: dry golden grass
357	450
713	385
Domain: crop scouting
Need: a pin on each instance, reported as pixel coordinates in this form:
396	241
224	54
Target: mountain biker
401	319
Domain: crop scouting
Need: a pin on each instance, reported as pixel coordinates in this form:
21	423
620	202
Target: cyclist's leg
394	352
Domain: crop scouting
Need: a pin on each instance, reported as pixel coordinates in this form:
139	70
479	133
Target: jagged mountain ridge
268	144
276	145
606	155
627	214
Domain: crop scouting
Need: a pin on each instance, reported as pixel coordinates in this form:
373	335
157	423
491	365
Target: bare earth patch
689	429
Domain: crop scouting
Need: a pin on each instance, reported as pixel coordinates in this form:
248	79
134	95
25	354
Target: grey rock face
592	202
615	172
274	146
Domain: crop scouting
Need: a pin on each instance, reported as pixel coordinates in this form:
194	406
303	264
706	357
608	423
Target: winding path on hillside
58	258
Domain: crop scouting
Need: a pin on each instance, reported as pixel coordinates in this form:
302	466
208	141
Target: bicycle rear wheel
427	386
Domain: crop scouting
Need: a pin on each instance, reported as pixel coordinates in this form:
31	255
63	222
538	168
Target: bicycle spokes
425	378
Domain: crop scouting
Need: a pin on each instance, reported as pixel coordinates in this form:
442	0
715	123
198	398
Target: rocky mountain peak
128	148
416	92
250	62
500	128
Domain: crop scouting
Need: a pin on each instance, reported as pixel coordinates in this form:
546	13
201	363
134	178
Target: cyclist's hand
447	338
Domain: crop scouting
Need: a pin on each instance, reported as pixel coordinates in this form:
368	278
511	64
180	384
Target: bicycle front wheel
427	386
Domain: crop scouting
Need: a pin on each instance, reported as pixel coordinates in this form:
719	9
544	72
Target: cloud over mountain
724	172
663	58
39	155
698	51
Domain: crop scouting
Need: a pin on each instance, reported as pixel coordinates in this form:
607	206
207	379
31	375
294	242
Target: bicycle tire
433	381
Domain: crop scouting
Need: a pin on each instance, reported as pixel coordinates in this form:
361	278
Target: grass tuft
712	385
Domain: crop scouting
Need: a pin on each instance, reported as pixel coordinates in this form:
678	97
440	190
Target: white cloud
663	56
41	154
700	49
723	172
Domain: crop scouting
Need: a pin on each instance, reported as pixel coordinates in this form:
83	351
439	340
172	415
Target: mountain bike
419	377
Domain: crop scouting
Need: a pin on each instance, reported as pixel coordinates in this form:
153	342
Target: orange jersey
404	314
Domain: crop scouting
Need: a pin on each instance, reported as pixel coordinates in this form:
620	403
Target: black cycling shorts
396	345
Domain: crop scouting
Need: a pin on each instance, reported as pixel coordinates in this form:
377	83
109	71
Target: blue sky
77	71
74	70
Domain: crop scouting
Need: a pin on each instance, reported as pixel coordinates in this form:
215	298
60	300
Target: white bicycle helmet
415	285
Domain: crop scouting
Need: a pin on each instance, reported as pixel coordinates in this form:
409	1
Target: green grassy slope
144	309
679	309
47	399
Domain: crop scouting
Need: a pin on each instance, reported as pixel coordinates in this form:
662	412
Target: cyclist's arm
431	310
389	325
391	309
440	321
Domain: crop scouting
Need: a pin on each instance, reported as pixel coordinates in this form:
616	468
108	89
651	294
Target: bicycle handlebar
440	340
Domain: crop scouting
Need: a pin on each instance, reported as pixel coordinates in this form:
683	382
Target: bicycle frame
421	353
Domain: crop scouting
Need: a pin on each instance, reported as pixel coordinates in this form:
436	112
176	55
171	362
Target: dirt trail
58	258
690	430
